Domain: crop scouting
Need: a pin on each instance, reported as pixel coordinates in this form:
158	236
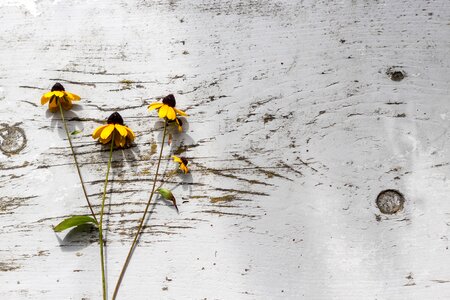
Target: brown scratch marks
242	192
262	170
104	72
285	165
31	87
74	82
223	174
307	164
29	102
440	281
24	164
8	266
226	198
122	108
222	213
9	204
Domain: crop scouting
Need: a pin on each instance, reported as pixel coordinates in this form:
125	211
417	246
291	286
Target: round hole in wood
390	201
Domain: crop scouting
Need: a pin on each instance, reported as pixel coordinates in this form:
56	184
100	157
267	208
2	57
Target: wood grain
295	125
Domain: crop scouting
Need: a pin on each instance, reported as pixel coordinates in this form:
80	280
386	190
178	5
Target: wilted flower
123	135
58	94
183	163
167	109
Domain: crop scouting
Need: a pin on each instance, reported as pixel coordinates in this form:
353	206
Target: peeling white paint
294	124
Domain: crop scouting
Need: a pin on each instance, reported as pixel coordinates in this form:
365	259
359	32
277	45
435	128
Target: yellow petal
177	159
180	112
154	106
59	94
105	141
184	168
97	131
180	128
163	111
46	97
121	129
131	135
107	131
171	113
72	97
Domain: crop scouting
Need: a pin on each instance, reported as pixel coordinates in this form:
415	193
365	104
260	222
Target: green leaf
76	132
166	194
74	221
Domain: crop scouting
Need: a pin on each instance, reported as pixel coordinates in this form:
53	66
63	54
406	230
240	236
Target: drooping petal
162	113
97	131
105	141
107	131
184	168
46	97
65	103
131	135
179	124
117	140
121	129
53	105
180	112
177	159
72	96
171	113
123	142
154	106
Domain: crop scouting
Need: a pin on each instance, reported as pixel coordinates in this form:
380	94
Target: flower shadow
56	121
180	142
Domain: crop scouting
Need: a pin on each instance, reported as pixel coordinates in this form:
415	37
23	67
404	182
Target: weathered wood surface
294	128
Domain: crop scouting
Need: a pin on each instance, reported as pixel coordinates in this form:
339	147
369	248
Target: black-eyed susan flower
59	95
123	135
183	163
167	108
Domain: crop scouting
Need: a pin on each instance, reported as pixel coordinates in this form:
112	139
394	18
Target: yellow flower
59	94
183	163
167	109
123	135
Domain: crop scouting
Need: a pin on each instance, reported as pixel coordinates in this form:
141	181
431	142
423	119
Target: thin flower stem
135	240
76	162
100	225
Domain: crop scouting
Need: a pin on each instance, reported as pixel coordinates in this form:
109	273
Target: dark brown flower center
115	118
184	160
58	87
169	100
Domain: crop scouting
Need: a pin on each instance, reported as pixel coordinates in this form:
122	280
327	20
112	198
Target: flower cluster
119	135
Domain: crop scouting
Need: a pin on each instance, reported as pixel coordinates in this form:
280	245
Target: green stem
75	159
100	225
135	240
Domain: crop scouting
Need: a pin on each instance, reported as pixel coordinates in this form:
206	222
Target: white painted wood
293	120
